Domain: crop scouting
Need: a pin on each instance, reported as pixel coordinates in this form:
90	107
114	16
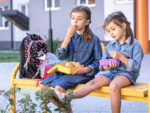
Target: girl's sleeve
98	55
62	53
134	63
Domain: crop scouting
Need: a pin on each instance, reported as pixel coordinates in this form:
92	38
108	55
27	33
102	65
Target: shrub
27	105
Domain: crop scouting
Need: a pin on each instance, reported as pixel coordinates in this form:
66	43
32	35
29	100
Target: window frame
86	4
53	6
3	27
27	8
124	1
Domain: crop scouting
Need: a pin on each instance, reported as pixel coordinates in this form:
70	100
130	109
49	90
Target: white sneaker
59	95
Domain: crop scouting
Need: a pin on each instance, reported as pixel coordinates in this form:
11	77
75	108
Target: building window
124	1
3	21
90	3
23	8
54	5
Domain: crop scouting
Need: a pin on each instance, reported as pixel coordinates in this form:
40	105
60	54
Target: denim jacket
79	50
133	53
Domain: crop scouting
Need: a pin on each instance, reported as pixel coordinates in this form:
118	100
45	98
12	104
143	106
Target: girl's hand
71	31
110	66
115	54
70	34
81	70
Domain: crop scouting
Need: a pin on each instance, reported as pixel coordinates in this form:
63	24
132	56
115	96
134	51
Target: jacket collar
76	35
127	41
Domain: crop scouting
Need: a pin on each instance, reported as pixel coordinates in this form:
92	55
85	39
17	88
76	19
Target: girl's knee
96	81
114	88
60	89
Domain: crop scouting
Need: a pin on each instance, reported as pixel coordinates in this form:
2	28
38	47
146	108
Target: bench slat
140	90
26	81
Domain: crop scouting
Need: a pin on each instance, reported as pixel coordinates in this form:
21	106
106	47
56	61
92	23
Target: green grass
9	57
15	57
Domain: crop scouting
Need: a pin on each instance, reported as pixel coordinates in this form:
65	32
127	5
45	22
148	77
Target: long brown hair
119	18
87	34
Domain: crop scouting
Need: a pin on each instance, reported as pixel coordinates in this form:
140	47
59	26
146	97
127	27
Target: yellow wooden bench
140	92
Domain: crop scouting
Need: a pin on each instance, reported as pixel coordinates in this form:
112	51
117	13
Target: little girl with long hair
80	45
124	48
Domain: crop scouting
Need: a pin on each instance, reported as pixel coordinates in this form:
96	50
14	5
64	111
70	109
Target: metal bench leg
13	107
149	97
45	106
44	110
13	76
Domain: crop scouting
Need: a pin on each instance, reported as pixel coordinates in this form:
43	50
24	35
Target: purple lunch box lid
106	61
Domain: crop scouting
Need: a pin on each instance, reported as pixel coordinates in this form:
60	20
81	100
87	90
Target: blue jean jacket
79	50
133	52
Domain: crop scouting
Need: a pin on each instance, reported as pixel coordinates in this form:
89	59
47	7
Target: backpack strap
28	59
37	82
38	70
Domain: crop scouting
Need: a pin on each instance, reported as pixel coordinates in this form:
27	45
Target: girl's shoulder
136	43
137	47
95	38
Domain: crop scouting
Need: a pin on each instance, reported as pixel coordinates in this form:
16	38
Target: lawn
9	57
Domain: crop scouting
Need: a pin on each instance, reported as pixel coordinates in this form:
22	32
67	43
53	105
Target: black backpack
31	48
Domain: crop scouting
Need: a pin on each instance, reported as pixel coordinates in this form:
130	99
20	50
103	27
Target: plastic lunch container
63	69
107	61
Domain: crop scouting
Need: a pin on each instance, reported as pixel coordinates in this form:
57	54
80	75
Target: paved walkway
88	104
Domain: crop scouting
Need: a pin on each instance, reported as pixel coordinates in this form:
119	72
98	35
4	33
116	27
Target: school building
18	17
